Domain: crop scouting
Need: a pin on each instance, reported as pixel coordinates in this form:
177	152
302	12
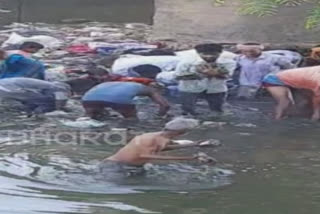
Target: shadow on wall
55	11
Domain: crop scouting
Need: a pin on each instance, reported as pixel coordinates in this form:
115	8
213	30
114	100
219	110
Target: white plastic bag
46	41
124	63
55	74
167	78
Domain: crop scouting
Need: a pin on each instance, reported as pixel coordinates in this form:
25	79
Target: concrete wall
181	19
198	19
53	11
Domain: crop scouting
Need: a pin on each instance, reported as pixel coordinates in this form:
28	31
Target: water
276	164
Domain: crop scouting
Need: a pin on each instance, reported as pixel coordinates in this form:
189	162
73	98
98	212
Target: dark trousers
94	109
189	100
39	105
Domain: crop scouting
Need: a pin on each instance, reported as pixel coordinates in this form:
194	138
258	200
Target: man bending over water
279	86
146	147
120	97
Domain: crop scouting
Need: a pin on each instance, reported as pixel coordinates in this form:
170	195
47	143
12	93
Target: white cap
180	124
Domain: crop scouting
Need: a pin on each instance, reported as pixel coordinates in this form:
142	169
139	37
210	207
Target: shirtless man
145	148
279	85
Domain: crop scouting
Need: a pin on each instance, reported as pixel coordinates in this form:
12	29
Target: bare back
146	144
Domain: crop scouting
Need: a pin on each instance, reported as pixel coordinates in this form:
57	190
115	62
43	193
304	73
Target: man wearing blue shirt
119	96
20	64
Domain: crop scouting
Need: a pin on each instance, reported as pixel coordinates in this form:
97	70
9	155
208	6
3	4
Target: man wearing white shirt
204	75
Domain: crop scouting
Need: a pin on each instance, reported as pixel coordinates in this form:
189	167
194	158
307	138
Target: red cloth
115	77
144	81
80	49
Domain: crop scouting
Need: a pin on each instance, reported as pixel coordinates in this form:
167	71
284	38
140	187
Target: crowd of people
206	72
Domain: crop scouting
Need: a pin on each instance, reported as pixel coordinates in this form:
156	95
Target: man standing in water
254	64
203	75
119	96
145	148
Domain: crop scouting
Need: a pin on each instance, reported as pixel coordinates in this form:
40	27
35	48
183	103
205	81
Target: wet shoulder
148	138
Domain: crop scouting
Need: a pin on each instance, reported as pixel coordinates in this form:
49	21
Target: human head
209	52
180	126
31	47
147	71
250	50
99	74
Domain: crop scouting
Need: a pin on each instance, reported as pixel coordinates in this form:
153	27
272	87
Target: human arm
163	103
189	77
37	71
174	146
283	62
223	68
187	70
163	157
201	143
237	71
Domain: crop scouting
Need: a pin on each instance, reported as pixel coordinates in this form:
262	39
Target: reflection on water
48	11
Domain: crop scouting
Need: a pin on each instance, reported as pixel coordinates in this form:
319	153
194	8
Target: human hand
163	110
204	158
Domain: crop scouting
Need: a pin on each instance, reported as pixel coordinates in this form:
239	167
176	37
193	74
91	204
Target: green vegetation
270	7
